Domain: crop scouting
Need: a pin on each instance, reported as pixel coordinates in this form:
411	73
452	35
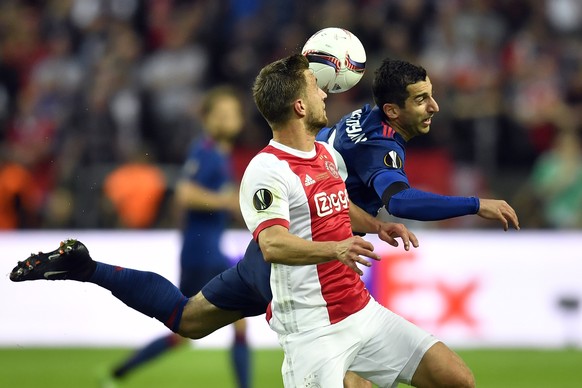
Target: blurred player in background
207	195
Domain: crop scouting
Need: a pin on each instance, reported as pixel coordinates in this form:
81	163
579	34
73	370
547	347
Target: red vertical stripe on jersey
341	288
387	131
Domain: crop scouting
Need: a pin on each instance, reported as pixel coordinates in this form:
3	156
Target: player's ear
299	107
392	111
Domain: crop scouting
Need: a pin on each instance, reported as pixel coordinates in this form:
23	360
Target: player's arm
362	222
192	191
191	195
406	202
383	170
280	246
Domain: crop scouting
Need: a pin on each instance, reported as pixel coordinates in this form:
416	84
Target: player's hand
389	231
496	209
351	250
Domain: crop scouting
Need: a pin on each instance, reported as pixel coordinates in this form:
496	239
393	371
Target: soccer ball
337	57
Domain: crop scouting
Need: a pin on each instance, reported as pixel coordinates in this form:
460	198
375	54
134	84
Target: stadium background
87	87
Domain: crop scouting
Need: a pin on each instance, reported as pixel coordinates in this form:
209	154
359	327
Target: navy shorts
244	287
193	279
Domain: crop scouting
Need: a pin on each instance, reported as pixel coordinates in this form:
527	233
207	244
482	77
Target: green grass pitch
191	367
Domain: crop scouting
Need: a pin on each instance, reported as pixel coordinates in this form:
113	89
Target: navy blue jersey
373	155
206	166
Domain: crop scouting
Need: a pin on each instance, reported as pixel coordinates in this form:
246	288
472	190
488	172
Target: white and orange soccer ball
337	57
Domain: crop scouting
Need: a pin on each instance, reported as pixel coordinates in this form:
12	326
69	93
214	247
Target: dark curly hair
391	80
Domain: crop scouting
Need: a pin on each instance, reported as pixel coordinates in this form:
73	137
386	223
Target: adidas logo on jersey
308	180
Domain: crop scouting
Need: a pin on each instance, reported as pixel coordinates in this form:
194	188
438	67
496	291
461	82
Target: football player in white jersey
296	206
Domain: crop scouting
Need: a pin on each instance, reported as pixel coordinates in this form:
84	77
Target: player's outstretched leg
157	298
70	260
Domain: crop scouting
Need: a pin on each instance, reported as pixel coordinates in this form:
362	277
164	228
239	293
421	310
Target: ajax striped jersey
303	192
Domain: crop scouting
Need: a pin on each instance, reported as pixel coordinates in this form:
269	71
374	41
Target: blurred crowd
89	88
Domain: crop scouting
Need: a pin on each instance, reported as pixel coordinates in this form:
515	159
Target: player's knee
443	368
192	332
240	327
451	380
458	376
192	329
201	318
193	323
469	381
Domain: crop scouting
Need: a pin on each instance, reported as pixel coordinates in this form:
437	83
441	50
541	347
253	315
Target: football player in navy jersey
405	94
208	198
372	140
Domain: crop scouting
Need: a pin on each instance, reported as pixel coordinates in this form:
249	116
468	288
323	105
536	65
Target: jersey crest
332	169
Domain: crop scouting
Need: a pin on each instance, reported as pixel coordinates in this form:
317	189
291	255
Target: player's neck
406	135
295	137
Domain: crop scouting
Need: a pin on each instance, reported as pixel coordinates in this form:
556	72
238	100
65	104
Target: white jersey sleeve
267	189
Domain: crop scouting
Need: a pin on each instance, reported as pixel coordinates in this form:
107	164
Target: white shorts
375	343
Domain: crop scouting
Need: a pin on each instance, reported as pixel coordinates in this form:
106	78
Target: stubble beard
315	124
